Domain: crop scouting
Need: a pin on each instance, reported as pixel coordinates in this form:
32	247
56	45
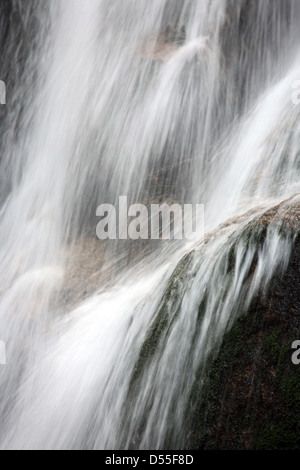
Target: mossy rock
245	397
248	398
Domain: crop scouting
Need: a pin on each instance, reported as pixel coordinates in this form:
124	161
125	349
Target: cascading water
165	100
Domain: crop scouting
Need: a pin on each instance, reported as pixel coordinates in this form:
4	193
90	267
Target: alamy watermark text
163	222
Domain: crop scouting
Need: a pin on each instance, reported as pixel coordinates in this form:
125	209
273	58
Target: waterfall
165	101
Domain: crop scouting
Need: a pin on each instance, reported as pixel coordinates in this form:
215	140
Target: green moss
284	432
281	431
253	235
254	340
165	317
208	387
272	345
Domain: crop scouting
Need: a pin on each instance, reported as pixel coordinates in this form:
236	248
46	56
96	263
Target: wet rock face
246	395
242	43
250	398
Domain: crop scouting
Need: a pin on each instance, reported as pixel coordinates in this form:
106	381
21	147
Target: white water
204	124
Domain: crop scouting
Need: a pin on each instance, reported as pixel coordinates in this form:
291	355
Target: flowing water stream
169	100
